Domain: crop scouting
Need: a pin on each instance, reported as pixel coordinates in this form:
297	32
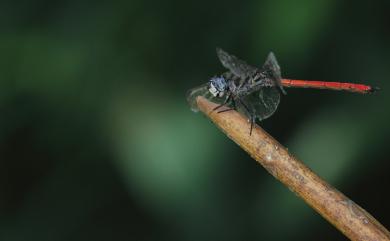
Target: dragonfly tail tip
374	89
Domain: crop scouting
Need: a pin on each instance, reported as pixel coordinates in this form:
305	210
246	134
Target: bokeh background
98	143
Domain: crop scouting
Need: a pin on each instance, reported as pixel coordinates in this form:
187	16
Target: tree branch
352	220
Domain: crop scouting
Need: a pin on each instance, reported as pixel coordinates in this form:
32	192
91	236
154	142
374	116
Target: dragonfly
255	92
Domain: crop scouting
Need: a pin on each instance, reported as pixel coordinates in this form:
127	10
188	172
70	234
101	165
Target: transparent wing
273	69
272	64
237	66
261	104
201	90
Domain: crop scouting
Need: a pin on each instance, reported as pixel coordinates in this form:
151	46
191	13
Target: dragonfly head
217	86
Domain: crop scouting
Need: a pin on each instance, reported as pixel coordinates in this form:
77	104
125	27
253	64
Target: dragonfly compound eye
217	86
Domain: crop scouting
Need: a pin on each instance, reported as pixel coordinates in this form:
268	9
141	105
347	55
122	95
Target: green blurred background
98	143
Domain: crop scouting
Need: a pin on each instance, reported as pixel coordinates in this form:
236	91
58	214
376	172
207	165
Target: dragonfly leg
225	110
252	123
224	103
251	115
245	106
229	109
233	104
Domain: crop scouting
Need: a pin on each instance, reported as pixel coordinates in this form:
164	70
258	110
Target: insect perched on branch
255	92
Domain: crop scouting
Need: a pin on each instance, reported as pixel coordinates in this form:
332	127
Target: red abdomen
358	88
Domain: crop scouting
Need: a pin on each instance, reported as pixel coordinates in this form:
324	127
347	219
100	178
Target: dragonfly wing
237	66
269	101
272	64
202	90
273	69
261	104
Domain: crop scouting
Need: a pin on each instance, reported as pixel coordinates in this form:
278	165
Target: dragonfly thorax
217	86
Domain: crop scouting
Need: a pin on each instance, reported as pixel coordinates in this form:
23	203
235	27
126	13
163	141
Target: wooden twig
352	220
